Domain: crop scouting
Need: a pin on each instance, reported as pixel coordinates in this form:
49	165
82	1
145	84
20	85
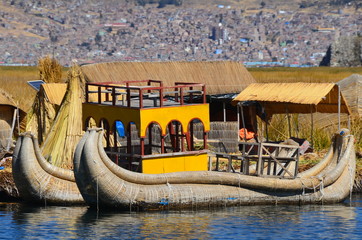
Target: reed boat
104	184
39	181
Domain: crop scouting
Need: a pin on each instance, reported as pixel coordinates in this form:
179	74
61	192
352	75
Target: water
339	221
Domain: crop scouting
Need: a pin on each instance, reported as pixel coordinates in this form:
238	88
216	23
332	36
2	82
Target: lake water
340	221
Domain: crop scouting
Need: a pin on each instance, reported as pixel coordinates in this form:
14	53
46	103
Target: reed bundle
220	76
50	70
66	130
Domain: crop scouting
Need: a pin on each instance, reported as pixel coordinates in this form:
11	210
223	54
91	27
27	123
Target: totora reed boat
104	184
39	181
151	153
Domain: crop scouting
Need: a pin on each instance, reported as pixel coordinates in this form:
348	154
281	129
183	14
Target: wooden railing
123	93
263	159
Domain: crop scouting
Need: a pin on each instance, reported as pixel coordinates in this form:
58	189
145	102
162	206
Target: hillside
257	4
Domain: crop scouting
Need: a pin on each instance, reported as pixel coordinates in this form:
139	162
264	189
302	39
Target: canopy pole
238	117
18	119
266	125
339	108
289	126
224	110
243	121
10	139
349	122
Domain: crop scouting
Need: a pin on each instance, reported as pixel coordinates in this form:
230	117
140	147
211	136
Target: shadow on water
248	222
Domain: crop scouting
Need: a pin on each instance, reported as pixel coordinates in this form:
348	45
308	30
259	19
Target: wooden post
114	97
312	124
142	143
10	139
289	126
177	147
86	93
162	143
129	144
243	121
128	95
140	98
99	95
192	136
339	108
224	111
238	117
205	139
150	137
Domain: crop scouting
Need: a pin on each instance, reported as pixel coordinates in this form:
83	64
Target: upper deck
145	94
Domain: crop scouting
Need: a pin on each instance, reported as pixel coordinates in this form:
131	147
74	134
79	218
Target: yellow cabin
151	128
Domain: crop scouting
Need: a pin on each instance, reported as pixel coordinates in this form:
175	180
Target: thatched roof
54	92
220	77
6	99
351	88
294	97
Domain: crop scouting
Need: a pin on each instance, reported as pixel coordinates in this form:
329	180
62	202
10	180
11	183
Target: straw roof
54	92
220	77
351	88
294	97
6	99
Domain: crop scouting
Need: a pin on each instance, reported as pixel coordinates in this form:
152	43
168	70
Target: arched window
196	135
174	137
153	139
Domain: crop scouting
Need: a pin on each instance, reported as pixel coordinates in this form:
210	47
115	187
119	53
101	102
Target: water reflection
250	222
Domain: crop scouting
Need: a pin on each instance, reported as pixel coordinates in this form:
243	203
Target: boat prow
39	181
104	184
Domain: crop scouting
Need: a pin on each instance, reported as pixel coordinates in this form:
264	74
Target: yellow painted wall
143	117
183	114
175	164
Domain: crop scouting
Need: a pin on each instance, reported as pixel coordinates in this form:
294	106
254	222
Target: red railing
132	91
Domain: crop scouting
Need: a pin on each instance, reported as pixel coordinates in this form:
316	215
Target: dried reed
308	75
66	130
220	77
50	71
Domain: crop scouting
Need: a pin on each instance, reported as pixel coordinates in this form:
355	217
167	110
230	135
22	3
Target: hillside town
101	32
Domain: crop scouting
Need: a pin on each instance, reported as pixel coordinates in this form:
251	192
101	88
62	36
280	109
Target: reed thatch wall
222	137
351	88
220	76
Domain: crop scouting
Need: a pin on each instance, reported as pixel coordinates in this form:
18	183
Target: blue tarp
120	129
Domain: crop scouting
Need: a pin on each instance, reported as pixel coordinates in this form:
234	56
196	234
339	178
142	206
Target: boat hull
105	185
37	180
